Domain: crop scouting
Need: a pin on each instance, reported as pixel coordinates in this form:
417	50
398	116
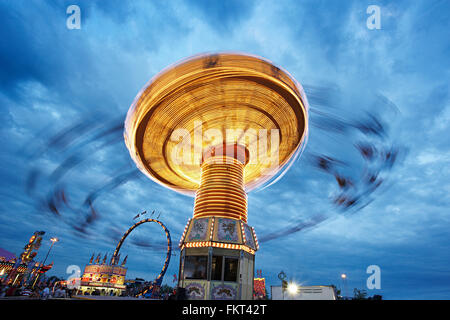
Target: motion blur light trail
354	149
76	144
351	147
367	153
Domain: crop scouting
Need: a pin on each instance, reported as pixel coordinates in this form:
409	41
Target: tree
336	291
359	294
166	289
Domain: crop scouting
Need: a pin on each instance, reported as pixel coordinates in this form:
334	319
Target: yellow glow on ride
224	98
202	244
221	191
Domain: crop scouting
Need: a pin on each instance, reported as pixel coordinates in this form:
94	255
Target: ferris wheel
158	281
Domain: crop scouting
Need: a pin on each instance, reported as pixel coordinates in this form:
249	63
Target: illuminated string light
256	239
203	244
244	239
184	232
212	228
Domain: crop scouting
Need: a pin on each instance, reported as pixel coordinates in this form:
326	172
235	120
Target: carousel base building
217	259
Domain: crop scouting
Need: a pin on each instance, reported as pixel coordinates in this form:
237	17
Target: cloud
53	78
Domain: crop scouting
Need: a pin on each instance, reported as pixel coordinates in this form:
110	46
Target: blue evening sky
53	78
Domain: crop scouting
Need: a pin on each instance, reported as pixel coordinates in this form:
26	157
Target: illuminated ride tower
215	127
